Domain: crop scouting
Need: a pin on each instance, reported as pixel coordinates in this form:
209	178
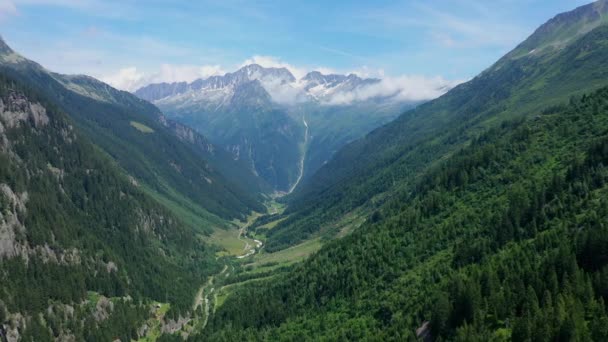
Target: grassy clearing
250	219
287	256
231	240
221	298
141	127
275	208
228	239
271	225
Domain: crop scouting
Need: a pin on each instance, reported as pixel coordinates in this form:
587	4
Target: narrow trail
293	187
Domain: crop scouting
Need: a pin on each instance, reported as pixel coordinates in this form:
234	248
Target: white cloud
406	88
399	88
284	93
131	79
125	79
402	88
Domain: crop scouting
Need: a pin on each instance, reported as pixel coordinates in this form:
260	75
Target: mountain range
284	128
279	83
476	216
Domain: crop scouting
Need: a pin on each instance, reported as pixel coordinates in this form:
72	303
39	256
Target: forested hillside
390	158
83	250
505	239
170	159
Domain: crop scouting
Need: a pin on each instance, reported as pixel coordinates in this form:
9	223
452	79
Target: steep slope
166	157
505	239
563	29
75	231
262	122
390	158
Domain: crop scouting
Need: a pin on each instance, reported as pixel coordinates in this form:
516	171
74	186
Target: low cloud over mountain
289	85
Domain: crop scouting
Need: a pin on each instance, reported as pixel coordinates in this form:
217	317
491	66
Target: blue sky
123	41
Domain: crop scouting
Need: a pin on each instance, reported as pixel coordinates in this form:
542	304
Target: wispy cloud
131	79
476	24
59	3
481	27
7	9
95	8
403	88
101	53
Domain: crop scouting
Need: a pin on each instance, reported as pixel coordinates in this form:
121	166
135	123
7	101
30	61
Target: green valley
302	201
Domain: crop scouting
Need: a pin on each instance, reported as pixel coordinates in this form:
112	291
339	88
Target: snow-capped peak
281	86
